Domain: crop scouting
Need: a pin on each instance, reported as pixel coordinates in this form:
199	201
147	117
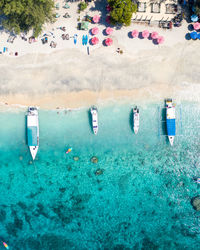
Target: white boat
136	120
33	130
94	113
170	121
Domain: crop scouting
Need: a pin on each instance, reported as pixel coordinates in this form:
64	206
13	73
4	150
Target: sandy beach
67	77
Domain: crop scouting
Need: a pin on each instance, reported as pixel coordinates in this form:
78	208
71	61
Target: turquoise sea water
141	201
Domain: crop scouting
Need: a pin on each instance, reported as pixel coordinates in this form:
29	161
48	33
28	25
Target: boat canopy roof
171	127
32	136
32	120
171	113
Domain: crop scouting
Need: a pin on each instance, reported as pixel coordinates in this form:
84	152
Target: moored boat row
33	124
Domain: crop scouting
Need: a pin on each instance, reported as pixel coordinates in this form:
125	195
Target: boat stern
33	150
171	140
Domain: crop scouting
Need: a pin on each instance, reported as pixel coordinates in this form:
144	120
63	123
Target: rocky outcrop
196	203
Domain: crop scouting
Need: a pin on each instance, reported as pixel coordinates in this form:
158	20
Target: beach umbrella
196	26
154	35
108	8
160	39
108	19
145	33
108	42
109	31
95	40
95	31
198	36
194	35
194	18
96	19
135	33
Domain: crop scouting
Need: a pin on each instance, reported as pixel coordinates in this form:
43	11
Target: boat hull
136	120
94	114
170	121
33	131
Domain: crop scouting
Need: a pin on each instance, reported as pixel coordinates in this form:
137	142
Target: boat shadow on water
90	120
131	120
25	132
163	129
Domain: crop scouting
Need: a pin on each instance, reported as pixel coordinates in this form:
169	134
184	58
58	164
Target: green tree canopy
23	15
122	11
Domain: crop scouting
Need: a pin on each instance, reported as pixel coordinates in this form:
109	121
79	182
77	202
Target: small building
156	11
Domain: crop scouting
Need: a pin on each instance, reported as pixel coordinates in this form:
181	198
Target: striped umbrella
160	39
135	33
95	31
196	26
108	42
109	31
154	35
95	40
145	33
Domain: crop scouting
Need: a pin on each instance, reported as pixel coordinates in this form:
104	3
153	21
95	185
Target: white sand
68	77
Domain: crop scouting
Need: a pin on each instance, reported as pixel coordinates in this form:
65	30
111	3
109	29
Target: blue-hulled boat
170	120
33	131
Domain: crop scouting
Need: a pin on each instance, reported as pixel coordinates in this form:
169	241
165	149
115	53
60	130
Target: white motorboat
170	121
94	113
33	130
136	120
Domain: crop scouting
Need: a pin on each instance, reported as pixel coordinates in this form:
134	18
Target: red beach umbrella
96	19
145	33
108	8
109	31
95	31
135	33
154	35
95	40
108	42
160	39
196	26
108	19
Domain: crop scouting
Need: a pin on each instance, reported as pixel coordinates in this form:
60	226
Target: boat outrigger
136	120
33	130
94	113
170	120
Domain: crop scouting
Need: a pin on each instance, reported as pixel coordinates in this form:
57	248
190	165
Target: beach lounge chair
5	49
53	44
11	39
88	18
66	15
84	25
66	6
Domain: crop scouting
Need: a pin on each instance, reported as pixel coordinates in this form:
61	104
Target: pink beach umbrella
145	33
108	42
196	26
95	31
135	33
96	19
95	40
154	35
160	39
109	31
108	19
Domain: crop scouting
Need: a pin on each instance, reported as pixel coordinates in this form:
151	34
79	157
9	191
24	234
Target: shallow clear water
141	201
